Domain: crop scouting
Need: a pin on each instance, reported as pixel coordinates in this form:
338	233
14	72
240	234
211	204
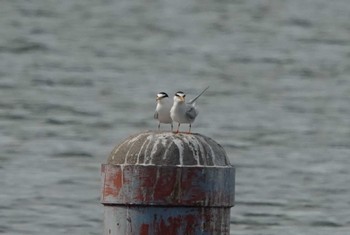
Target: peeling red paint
191	223
144	229
192	180
161	200
113	181
165	185
169	227
145	188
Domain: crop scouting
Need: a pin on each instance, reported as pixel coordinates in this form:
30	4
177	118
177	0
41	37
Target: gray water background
77	77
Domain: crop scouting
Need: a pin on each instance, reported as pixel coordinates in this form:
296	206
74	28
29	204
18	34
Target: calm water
77	77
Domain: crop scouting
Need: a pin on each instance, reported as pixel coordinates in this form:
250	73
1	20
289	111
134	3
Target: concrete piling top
168	148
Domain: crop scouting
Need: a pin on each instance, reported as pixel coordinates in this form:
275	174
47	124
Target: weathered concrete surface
136	220
168	185
168	148
157	183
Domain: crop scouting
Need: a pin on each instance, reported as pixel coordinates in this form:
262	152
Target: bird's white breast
178	113
163	110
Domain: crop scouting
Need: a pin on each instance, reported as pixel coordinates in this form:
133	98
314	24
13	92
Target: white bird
163	107
182	112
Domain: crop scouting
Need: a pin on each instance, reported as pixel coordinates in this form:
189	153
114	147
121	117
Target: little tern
163	107
182	112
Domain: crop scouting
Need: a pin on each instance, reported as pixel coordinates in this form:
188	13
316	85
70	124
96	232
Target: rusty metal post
161	183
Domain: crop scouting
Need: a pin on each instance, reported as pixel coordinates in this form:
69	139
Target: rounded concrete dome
168	148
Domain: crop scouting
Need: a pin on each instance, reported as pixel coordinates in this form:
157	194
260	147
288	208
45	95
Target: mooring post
162	183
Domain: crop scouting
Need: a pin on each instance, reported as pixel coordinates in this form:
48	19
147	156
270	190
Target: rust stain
113	182
192	181
191	223
165	184
144	229
169	227
144	191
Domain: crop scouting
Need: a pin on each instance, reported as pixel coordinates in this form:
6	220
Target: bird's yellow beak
182	98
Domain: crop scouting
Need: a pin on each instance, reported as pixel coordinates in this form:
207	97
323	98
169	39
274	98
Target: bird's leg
158	126
172	127
178	127
189	130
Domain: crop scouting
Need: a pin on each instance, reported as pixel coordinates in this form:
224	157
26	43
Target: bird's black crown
162	94
180	93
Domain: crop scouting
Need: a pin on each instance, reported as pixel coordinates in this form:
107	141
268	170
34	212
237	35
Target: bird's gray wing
191	112
155	115
195	98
